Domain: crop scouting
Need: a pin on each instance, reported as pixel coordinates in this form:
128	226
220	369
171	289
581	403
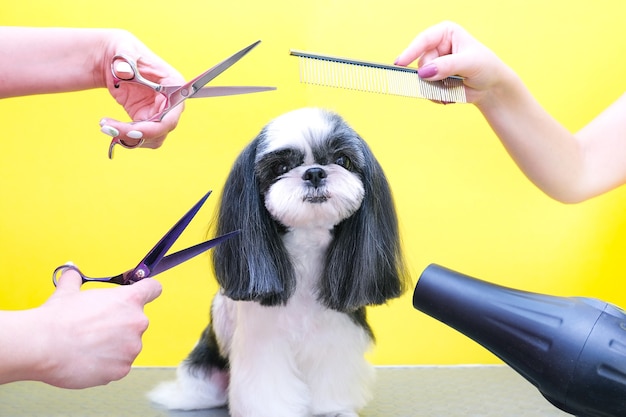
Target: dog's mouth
316	197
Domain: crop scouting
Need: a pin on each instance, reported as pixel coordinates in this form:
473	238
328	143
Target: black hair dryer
572	349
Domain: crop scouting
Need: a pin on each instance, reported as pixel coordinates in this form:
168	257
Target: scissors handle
121	279
124	69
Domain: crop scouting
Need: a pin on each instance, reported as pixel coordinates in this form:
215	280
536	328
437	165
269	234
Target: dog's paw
192	391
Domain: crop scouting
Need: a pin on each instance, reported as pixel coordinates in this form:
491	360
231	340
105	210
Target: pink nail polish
427	71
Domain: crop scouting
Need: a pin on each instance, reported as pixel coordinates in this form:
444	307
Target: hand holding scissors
155	261
125	70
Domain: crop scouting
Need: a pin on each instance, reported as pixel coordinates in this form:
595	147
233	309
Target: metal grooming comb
376	78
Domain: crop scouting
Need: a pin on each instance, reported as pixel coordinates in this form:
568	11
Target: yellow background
461	201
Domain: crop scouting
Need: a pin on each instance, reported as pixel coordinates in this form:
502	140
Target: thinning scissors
124	70
155	261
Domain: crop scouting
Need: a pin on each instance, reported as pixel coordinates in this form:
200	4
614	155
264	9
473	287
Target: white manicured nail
109	130
135	134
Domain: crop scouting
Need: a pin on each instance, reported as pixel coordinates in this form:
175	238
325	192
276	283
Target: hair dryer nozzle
572	349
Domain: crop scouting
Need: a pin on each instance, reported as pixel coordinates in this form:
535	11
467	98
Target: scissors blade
179	257
192	87
229	91
151	260
217	91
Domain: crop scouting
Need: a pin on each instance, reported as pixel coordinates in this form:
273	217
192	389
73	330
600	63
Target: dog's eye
281	169
344	161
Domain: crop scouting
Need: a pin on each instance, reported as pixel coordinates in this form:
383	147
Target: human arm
53	60
569	167
76	339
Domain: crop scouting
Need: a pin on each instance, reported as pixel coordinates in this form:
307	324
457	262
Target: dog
319	242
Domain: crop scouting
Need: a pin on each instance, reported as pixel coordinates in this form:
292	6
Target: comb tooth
344	74
404	84
365	81
302	68
373	78
361	84
341	77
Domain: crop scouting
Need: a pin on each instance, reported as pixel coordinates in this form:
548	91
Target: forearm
51	60
22	346
547	153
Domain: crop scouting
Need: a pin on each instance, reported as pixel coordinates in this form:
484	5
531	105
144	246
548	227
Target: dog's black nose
314	176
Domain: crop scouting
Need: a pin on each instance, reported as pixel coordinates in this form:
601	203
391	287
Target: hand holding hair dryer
572	349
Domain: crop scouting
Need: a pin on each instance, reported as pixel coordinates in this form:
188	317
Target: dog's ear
364	263
253	265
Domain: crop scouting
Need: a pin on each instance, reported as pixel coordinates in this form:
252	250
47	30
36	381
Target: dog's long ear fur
253	265
364	262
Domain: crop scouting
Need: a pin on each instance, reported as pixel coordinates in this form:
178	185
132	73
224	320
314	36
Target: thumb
70	279
146	290
460	64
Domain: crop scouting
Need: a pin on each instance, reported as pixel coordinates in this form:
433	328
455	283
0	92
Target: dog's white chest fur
307	249
310	356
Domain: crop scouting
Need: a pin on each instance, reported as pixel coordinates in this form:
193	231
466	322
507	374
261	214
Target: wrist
503	94
108	45
24	344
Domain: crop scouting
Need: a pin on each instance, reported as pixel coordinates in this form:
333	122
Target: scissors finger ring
118	141
136	145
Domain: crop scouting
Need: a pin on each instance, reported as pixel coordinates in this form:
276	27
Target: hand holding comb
376	78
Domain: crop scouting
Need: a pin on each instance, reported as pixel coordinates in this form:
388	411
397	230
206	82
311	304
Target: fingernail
396	61
427	71
102	122
109	130
67	265
135	134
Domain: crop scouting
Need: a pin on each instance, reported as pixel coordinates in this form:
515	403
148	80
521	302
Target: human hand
92	337
140	102
447	49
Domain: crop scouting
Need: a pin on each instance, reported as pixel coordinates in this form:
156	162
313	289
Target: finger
427	57
145	134
127	132
430	39
155	133
70	280
460	64
146	290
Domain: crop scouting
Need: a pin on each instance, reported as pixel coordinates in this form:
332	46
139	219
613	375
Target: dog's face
308	169
309	166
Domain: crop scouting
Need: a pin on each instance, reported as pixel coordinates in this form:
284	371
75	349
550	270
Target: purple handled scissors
124	69
155	261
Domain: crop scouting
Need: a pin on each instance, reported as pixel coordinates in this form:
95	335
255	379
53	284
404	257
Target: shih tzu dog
319	242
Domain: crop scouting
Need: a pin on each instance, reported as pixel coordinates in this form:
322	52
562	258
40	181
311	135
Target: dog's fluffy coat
319	242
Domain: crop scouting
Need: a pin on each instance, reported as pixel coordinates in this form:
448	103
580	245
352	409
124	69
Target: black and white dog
319	241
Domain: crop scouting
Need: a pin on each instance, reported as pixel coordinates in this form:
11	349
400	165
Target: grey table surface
447	391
